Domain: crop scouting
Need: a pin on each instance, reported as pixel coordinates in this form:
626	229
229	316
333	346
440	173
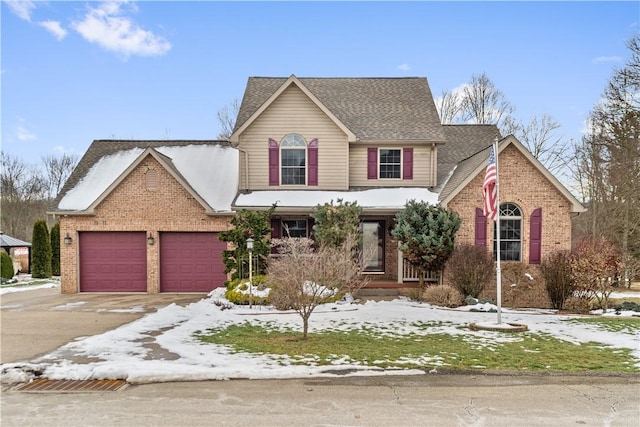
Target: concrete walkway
37	322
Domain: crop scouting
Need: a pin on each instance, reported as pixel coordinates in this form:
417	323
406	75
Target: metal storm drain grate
71	386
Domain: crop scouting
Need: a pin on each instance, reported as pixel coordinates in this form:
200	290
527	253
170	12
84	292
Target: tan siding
294	112
131	206
421	167
520	183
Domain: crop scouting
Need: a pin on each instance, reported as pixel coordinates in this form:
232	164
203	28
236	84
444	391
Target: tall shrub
558	278
247	224
40	251
6	266
55	250
595	267
470	269
427	234
335	223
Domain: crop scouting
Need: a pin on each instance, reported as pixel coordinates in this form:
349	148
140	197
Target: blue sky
73	72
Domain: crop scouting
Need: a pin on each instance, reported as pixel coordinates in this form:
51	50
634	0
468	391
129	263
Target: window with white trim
389	163
510	233
293	155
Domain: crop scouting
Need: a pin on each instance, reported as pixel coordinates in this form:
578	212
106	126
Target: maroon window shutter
312	150
274	162
481	228
372	163
407	163
535	236
276	232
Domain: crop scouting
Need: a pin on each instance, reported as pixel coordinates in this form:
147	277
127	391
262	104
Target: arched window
293	155
510	233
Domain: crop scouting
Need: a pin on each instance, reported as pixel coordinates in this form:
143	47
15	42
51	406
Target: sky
182	357
73	72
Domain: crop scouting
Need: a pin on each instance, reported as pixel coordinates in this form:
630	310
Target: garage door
191	262
113	262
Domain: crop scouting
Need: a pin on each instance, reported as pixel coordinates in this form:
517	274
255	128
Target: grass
33	282
625	325
383	348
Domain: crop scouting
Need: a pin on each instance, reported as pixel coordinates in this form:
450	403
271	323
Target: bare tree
58	170
541	137
227	116
483	103
449	106
303	277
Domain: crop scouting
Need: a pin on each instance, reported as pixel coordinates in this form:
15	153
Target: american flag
489	188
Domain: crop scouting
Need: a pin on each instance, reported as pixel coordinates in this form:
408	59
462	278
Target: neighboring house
143	216
379	142
19	250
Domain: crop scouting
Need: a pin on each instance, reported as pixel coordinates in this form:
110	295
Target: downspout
434	163
246	167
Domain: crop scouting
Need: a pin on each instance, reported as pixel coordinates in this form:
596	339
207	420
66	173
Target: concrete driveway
34	323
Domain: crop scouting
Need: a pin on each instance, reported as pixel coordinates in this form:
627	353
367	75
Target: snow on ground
161	346
22	285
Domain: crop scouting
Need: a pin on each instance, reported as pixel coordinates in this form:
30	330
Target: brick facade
523	184
138	204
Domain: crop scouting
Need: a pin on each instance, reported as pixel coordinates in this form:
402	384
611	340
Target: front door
373	246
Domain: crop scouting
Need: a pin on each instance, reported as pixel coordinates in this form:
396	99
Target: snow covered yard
162	346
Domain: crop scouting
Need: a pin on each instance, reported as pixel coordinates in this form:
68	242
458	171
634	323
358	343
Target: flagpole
498	270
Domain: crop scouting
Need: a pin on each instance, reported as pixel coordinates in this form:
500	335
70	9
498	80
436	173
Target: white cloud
22	8
108	26
404	67
23	133
54	28
600	59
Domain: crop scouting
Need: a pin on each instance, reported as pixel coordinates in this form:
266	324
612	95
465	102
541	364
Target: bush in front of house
558	278
238	291
40	251
578	304
443	296
55	250
469	269
6	266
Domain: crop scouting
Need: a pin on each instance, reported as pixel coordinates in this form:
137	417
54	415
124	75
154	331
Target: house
143	216
19	250
379	141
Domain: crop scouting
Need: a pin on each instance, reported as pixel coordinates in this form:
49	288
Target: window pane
372	245
294	228
390	163
293	166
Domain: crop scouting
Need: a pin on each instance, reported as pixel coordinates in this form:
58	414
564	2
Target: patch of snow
395	198
24	288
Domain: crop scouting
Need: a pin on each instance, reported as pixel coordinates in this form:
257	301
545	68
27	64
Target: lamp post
250	250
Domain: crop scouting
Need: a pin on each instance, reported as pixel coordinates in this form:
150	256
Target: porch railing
410	273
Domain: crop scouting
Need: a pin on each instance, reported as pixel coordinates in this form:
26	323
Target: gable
207	170
468	169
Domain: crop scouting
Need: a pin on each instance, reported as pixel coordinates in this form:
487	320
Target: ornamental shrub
238	291
55	250
6	266
469	269
40	251
443	296
558	279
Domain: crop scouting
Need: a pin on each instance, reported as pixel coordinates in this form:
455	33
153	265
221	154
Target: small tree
558	278
55	250
246	224
6	266
427	234
40	251
335	223
303	278
469	269
595	268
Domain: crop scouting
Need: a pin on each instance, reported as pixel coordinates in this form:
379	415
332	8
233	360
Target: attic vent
152	179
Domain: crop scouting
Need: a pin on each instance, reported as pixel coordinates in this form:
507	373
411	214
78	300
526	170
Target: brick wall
135	206
521	183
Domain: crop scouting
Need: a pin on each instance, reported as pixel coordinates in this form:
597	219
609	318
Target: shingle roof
463	141
463	169
101	149
371	108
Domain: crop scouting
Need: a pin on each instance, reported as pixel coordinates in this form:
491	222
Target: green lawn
382	348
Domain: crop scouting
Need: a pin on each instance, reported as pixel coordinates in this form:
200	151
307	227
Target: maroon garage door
113	262
191	262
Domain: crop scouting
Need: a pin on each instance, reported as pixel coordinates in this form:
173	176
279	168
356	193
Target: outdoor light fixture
150	239
67	239
250	249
